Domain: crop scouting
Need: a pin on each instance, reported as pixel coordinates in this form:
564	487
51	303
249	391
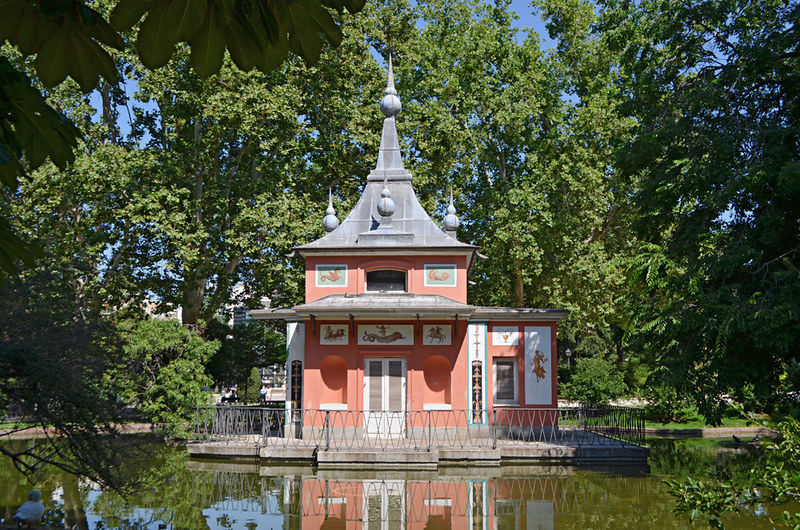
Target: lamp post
568	353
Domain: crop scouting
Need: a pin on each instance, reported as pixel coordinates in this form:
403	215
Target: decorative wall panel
538	372
440	275
331	275
386	334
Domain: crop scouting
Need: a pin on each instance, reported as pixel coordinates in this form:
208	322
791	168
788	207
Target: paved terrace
422	439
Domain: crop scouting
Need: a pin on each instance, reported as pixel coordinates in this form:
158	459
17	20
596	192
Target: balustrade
417	430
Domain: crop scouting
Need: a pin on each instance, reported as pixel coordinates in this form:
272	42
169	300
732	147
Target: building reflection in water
303	498
418	504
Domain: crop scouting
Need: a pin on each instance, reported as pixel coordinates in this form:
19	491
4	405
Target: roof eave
474	314
518	313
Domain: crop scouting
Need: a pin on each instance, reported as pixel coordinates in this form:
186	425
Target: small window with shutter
505	381
386	280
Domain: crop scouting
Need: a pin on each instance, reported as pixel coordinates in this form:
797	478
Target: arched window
386	280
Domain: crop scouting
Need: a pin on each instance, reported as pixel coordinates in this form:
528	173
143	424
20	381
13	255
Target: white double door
385	396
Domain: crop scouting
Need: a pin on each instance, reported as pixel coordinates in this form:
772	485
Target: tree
524	138
596	381
220	148
713	89
53	367
253	386
163	373
243	347
68	39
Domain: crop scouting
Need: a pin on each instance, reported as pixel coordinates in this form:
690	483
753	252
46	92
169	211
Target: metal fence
421	430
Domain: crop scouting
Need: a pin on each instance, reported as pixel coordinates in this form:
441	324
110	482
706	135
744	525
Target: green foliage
253	386
695	497
595	381
54	364
716	288
775	479
68	39
164	372
221	147
242	347
664	404
258	35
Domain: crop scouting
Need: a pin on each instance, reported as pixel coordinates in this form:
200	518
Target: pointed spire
330	222
390	104
451	220
389	153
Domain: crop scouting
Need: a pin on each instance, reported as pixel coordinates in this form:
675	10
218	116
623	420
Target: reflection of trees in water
590	500
52	482
701	458
230	490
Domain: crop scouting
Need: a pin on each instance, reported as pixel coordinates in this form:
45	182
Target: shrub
164	372
595	380
253	386
664	405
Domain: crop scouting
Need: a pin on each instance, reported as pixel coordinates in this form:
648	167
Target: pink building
386	330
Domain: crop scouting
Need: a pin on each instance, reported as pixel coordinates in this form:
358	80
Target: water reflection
332	499
185	494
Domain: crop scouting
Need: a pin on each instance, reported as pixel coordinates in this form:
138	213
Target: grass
697	423
691	419
15	425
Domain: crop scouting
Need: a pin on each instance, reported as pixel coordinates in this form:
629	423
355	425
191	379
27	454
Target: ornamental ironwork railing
418	430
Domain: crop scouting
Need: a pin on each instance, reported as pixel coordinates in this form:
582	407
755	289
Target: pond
183	493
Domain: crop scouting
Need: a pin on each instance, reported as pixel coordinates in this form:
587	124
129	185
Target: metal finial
451	220
385	203
390	79
390	104
330	222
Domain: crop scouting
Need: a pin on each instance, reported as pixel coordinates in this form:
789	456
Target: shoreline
708	432
30	433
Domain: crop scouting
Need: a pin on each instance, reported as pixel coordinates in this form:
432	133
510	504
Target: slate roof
409	227
384	303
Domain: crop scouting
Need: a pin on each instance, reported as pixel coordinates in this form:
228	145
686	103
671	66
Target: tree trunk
74	513
519	291
108	113
195	292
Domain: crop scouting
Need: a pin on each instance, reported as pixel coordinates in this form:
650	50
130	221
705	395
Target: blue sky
527	19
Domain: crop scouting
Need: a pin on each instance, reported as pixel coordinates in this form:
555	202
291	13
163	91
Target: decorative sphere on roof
451	220
390	104
386	204
330	221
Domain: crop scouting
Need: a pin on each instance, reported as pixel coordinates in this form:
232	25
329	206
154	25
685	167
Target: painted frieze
333	334
440	275
538	372
505	336
331	275
437	335
386	334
